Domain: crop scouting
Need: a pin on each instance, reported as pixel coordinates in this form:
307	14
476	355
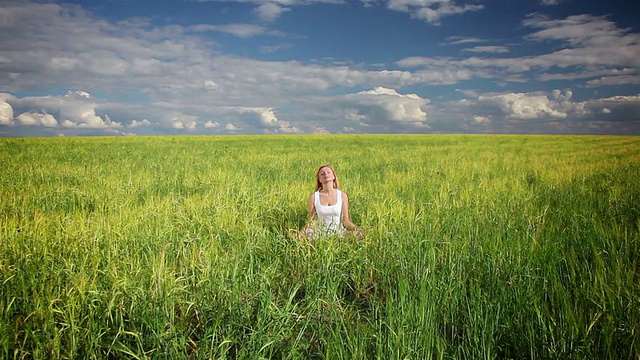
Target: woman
328	207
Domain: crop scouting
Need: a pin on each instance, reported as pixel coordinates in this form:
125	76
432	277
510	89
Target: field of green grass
476	247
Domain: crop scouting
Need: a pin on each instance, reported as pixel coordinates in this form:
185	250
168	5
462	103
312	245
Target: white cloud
479	119
262	118
594	41
74	109
320	130
75	112
6	110
614	80
456	40
535	112
576	29
184	122
354	116
210	85
431	10
270	11
139	123
239	30
7	97
63	63
625	107
524	106
268	118
468	92
396	107
630	99
30	118
592	46
231	127
488	49
173	75
68	124
79	93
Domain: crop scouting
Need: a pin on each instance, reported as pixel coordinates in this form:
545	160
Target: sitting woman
328	207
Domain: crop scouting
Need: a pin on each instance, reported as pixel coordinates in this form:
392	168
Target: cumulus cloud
480	119
139	123
75	109
382	104
629	99
6	110
231	127
262	118
45	120
532	106
6	114
354	115
320	130
186	122
536	112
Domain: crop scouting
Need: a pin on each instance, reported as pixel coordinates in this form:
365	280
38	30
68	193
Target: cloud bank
64	70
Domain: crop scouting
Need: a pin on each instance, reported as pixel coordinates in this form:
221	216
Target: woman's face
325	174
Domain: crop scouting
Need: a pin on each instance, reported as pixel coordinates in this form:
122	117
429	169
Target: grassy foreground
177	247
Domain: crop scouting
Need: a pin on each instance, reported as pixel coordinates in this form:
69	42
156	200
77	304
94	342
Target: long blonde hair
336	183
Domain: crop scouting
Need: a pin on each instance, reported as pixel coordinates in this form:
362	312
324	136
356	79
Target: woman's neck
327	188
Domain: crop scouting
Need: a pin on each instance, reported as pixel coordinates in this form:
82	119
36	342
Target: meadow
476	247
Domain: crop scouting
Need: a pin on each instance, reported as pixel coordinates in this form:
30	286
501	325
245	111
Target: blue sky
142	67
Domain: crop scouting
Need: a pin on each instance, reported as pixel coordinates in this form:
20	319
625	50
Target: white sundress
329	216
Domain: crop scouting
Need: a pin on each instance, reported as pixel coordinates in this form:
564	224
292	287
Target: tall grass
178	247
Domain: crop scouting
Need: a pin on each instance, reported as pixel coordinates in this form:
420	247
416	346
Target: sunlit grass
179	247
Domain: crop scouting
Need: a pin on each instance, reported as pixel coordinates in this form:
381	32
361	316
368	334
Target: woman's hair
336	183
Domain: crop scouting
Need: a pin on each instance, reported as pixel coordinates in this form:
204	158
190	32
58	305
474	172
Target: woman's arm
311	213
346	218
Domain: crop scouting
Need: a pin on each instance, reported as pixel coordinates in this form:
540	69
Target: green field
178	247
